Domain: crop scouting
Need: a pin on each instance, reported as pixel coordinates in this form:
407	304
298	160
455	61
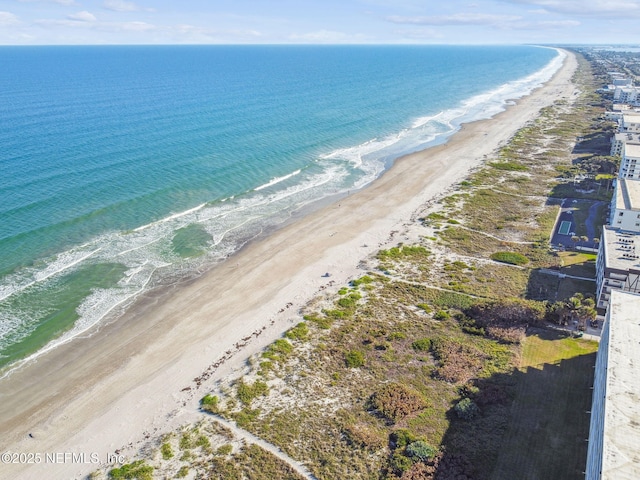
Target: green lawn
549	424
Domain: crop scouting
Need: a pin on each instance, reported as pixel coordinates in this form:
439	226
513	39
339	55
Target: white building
627	95
620	81
619	139
614	434
630	163
618	265
625	206
630	122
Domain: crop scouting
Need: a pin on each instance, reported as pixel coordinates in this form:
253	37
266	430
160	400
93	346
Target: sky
86	22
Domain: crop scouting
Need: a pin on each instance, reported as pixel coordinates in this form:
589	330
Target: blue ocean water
123	168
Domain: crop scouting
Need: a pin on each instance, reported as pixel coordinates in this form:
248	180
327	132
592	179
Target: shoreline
147	371
170	273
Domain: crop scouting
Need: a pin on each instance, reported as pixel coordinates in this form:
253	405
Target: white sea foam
419	122
62	263
276	180
171	217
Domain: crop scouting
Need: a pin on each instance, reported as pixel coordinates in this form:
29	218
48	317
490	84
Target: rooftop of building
632	150
628	137
632	117
621	249
627	194
620	456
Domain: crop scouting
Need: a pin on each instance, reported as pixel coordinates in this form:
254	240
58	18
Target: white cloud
456	19
82	17
545	25
419	34
59	2
610	8
120	6
98	26
7	19
327	36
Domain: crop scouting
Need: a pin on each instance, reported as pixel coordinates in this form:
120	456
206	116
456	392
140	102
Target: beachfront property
617	110
614	433
630	164
627	94
624	91
618	265
630	122
619	140
625	205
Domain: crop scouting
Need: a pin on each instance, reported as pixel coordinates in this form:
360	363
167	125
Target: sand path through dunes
100	394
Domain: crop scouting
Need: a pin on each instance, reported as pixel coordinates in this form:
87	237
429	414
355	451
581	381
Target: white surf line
276	180
62	341
271	448
49	275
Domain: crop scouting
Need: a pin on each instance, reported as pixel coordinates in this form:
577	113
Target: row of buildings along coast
614	436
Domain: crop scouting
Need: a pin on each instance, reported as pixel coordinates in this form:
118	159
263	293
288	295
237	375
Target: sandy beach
142	375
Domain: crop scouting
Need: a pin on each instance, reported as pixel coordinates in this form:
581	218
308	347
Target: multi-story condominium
625	206
620	139
630	163
618	265
622	82
630	122
618	110
627	95
614	433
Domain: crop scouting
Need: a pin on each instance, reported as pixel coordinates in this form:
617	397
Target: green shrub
395	401
210	402
279	350
400	463
321	322
203	441
401	438
335	315
442	315
137	470
225	449
422	345
186	442
426	307
246	392
348	303
512	258
166	451
246	416
421	451
397	253
299	332
354	359
397	336
183	472
508	166
364	279
466	409
435	216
